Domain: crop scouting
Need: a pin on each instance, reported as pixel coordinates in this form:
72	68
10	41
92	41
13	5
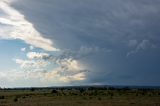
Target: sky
79	42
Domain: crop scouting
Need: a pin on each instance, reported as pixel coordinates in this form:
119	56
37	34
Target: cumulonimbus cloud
13	25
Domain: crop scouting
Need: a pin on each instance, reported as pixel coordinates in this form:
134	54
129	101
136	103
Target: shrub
15	99
1	97
32	89
54	91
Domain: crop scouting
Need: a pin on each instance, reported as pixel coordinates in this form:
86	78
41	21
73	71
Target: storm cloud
117	40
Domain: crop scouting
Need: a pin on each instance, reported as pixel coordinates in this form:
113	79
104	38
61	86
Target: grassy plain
79	97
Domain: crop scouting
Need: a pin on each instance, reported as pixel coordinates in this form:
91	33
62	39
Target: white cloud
37	78
69	66
68	71
15	26
31	64
36	55
76	77
23	49
64	76
31	47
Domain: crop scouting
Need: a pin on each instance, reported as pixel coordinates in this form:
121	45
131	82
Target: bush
15	99
54	91
1	97
32	89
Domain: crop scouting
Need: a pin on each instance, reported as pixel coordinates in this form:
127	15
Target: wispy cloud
144	44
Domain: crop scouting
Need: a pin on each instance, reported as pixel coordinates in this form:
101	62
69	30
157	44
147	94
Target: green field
74	97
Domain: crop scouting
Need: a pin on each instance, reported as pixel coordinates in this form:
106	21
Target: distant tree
54	91
125	88
32	89
81	90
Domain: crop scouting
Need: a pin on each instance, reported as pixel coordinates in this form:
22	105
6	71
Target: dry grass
75	98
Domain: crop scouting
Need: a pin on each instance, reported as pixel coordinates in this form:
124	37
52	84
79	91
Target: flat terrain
80	97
